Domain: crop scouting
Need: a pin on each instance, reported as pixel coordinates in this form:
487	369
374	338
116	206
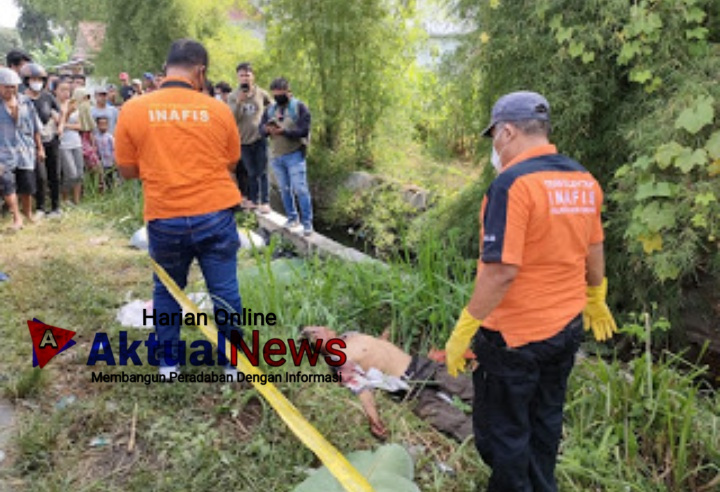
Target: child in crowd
106	148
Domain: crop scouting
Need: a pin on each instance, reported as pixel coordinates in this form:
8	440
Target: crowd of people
55	131
541	271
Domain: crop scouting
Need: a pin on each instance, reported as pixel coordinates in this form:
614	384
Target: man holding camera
287	123
248	104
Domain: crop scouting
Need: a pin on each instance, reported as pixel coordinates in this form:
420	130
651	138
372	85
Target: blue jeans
291	172
174	243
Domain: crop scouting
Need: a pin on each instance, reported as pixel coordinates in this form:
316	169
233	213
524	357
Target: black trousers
242	178
431	388
48	174
518	408
254	160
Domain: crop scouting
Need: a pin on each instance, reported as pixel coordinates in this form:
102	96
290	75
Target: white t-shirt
70	139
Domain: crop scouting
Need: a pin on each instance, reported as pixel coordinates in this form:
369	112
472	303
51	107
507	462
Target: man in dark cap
541	265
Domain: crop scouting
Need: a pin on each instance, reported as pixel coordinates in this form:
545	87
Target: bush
634	98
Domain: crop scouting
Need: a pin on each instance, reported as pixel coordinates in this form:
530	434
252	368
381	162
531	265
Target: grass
74	274
619	434
412	164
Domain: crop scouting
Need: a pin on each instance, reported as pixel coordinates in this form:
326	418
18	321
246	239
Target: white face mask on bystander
495	160
495	157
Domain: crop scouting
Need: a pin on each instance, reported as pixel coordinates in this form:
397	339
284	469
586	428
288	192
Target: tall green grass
417	300
120	208
649	424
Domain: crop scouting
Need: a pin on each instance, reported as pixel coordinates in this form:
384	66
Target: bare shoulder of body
369	352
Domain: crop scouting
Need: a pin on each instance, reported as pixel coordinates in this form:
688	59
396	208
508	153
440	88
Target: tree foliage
139	33
634	95
9	39
34	28
138	36
53	53
66	14
346	59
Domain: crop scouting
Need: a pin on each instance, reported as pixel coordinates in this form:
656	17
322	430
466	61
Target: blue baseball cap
148	75
518	106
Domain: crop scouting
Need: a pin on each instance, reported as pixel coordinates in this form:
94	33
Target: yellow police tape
336	463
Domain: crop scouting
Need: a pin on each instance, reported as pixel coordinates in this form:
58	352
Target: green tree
66	14
9	39
346	59
139	34
34	27
634	95
53	53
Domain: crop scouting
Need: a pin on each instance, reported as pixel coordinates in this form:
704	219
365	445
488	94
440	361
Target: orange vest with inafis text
541	214
182	142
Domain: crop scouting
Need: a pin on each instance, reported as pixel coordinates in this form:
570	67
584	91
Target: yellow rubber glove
459	342
597	314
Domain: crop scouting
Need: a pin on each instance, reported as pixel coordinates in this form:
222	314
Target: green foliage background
315	44
633	89
634	95
635	98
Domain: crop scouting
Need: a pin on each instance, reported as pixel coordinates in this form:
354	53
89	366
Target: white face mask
495	160
218	97
495	157
36	86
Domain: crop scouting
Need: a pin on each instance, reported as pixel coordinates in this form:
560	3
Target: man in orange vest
541	265
183	146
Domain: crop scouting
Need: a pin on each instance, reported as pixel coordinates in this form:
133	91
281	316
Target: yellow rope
336	463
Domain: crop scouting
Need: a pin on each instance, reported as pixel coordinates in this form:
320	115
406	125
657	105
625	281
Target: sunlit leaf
652	23
688	159
651	243
643	163
713	145
697	33
699	114
576	48
658	217
666	153
650	190
666	268
714	168
556	22
705	199
694	14
640	76
699	220
654	85
622	171
563	34
628	52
